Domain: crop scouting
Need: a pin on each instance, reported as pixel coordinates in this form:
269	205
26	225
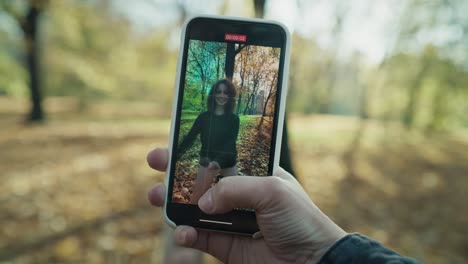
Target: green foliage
256	79
205	65
12	77
435	87
91	51
424	90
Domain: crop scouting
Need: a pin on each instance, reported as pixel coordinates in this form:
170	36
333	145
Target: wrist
333	238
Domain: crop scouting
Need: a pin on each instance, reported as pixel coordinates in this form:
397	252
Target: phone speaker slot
215	222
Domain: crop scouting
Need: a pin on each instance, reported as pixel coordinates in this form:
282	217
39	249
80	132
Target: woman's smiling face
221	96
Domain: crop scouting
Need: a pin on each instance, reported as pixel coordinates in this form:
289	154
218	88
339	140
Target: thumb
242	192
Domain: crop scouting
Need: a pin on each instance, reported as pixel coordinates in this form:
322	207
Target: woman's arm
190	137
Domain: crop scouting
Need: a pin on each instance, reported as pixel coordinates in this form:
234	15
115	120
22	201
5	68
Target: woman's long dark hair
231	92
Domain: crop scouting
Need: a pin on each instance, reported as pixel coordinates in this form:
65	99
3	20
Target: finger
157	195
213	166
215	244
158	158
241	192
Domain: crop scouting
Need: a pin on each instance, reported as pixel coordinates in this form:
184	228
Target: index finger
158	159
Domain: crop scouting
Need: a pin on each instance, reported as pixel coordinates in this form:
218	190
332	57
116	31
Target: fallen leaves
253	148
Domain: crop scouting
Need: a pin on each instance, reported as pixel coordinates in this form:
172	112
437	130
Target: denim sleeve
356	248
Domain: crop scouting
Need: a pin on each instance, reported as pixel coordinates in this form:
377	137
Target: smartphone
227	117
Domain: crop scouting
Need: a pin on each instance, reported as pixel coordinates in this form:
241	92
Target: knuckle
276	187
224	196
222	189
149	157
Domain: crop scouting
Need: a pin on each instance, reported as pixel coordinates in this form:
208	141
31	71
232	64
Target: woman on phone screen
218	128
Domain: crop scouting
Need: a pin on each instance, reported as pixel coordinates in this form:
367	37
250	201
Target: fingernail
206	202
160	189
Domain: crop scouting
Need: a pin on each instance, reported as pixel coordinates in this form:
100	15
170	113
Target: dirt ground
74	189
402	189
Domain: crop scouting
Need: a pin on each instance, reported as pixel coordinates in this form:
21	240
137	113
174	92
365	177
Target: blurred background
377	116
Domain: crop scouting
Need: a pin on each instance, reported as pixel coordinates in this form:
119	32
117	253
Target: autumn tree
271	93
255	66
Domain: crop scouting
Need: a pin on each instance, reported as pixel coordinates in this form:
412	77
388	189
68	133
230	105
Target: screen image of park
226	121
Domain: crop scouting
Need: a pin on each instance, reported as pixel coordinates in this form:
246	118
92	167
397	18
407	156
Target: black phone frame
261	33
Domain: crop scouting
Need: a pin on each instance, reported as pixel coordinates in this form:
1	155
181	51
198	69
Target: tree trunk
30	27
259	7
242	76
266	103
217	68
230	59
239	101
439	109
249	105
269	94
203	92
364	104
414	94
249	97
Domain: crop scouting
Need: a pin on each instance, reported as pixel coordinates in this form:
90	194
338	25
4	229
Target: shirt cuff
356	248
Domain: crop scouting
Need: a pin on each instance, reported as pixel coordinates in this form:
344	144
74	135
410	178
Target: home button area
214	222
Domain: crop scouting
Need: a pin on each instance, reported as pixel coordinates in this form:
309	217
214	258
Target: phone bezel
243	222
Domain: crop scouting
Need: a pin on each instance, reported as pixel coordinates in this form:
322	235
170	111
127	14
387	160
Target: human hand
293	227
214	165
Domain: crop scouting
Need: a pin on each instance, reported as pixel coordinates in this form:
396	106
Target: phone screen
227	107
